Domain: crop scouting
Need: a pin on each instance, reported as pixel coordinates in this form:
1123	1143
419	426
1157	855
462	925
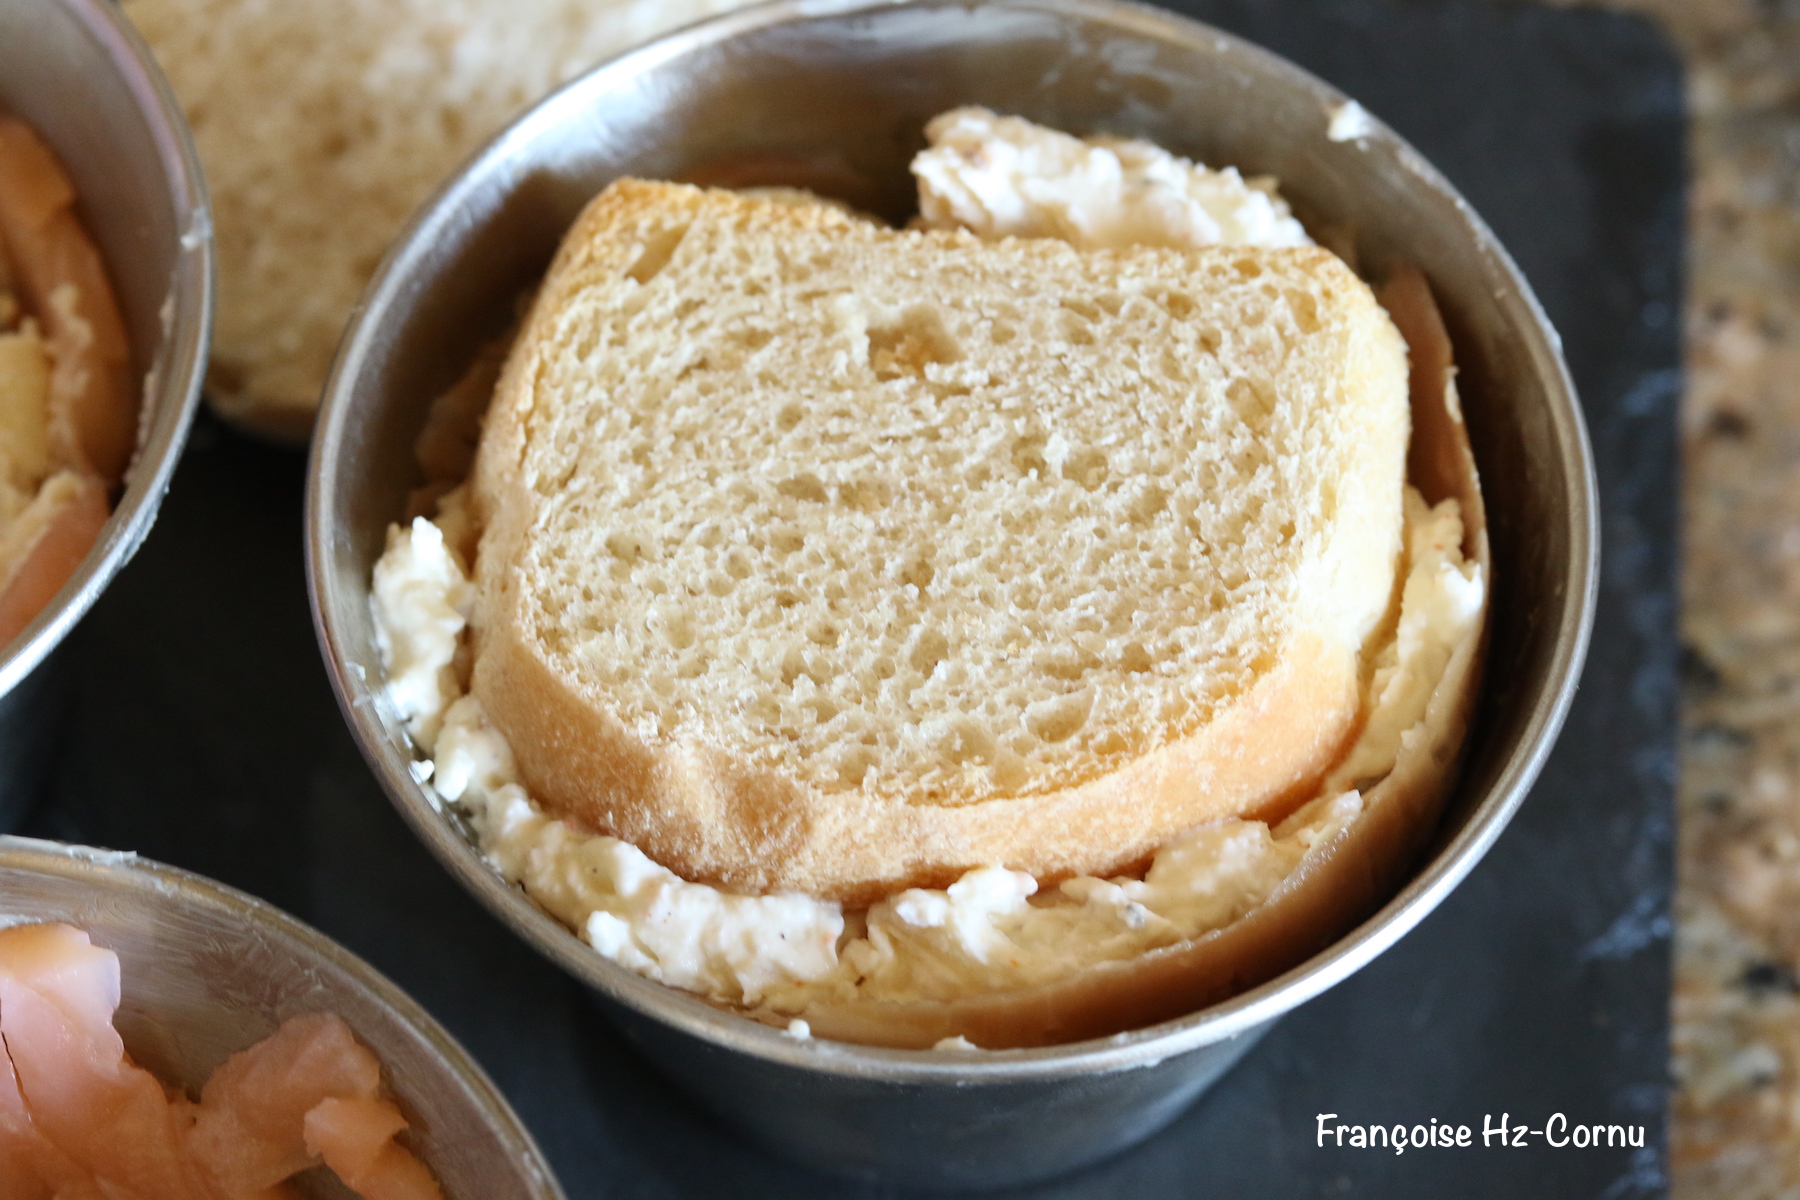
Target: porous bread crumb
322	124
862	504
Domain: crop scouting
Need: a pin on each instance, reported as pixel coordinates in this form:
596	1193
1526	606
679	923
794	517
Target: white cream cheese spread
1004	176
1348	122
994	928
991	929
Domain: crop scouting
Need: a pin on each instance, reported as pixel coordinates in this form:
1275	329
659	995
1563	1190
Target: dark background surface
203	732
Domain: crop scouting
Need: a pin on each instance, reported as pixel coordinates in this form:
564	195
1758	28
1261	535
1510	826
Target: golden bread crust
708	815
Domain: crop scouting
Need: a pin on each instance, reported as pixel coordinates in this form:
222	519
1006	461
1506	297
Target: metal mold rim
1573	616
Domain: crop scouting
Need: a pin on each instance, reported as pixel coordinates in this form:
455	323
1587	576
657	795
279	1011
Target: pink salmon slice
248	1127
80	1121
356	1140
91	1104
27	1161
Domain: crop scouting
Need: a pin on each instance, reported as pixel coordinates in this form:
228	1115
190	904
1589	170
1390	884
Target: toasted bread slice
825	557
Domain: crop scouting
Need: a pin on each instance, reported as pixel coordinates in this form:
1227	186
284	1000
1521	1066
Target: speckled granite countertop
1735	1116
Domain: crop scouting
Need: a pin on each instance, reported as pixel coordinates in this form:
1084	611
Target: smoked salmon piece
63	522
80	1121
29	1163
249	1129
356	1140
83	1096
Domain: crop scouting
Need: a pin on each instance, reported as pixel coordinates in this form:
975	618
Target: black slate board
204	734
